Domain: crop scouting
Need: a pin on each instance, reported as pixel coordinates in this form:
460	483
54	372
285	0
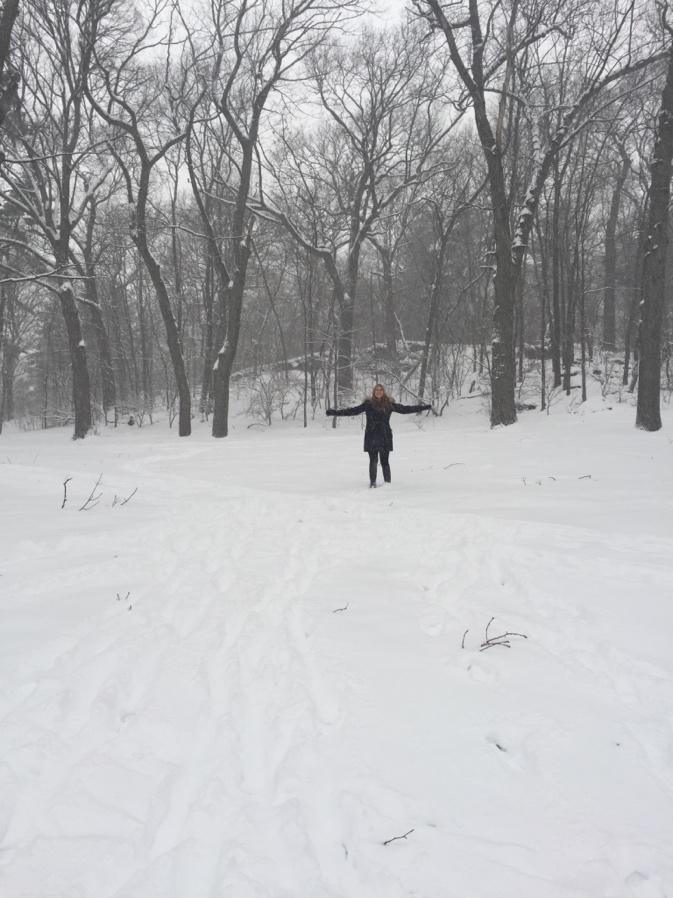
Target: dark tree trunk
648	415
81	392
9	82
107	374
556	284
228	341
226	355
10	362
208	338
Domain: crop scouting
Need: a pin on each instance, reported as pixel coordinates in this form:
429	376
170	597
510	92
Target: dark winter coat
378	434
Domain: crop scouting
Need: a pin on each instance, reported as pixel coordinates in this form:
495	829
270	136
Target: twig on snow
93	500
503	639
462	643
395	838
336	610
118	501
65	491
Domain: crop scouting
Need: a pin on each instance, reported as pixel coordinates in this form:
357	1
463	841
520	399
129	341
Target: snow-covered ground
258	678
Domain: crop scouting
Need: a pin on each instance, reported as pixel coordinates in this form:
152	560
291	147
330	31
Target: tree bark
648	415
8	84
81	391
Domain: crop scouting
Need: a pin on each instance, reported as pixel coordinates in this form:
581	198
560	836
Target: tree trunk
8	84
107	374
648	415
81	391
556	283
208	338
225	360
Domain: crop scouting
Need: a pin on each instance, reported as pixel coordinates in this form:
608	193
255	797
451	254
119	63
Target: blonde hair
384	400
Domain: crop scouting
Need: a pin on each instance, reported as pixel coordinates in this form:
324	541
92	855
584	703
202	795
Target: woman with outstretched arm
378	434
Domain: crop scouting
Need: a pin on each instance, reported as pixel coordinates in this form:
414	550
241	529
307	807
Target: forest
291	198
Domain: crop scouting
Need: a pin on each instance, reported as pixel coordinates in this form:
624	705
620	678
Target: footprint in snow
643	886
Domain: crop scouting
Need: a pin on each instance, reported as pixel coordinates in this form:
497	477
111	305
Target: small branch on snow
119	501
503	639
585	477
462	643
395	838
65	491
93	500
336	610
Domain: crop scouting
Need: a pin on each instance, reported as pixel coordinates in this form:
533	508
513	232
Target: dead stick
395	838
65	491
93	500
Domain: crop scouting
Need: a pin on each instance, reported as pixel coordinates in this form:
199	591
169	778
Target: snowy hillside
257	678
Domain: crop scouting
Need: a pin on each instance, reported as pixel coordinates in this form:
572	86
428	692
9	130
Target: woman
378	435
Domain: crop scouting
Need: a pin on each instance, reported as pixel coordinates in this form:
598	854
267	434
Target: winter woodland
228	669
295	197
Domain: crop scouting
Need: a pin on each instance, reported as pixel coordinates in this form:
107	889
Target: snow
247	679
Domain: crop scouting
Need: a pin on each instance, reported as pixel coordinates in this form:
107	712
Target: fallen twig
502	639
336	610
395	838
92	499
65	491
118	501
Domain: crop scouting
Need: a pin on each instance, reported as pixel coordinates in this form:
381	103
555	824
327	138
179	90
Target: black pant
383	455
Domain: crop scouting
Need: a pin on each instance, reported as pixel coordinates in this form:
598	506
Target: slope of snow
258	678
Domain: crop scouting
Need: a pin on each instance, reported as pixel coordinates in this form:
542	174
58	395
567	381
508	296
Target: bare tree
483	45
381	97
259	46
49	180
134	94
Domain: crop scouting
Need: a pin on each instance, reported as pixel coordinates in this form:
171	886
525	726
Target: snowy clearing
258	678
